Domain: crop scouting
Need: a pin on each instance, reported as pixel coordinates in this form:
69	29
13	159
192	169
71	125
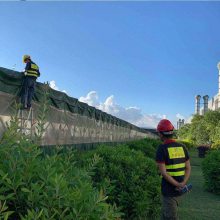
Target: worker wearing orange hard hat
173	162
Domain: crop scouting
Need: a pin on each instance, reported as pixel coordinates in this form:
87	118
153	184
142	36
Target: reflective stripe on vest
176	169
176	166
179	173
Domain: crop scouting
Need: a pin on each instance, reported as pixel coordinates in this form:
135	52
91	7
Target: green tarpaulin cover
11	82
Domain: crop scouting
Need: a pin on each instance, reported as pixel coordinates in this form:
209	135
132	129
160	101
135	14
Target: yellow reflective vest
32	69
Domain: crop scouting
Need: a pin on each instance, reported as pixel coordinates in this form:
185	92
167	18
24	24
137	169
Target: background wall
68	121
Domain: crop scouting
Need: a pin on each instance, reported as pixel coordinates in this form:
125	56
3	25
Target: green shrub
211	171
131	181
189	145
203	129
4	213
38	186
216	145
147	146
184	132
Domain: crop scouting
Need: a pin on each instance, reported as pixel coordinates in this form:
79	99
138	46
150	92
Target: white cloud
187	119
179	116
90	99
52	85
133	115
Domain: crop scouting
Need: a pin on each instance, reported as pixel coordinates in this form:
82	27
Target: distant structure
197	104
206	100
180	123
212	104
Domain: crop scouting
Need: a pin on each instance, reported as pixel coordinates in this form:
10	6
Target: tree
212	123
184	132
204	129
198	133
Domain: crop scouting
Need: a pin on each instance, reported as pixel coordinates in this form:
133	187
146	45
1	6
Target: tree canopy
203	129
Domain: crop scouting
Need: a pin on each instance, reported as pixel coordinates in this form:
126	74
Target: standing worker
31	73
173	162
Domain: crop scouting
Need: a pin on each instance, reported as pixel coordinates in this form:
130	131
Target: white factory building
212	104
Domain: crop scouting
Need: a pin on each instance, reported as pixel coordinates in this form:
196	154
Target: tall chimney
197	104
183	122
218	66
206	100
180	123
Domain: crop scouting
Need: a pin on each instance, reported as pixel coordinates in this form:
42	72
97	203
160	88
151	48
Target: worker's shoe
28	107
23	107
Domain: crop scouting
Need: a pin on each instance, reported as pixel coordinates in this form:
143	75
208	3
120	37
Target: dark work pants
27	93
169	208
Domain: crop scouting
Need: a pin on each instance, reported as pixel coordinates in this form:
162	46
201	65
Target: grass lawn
199	204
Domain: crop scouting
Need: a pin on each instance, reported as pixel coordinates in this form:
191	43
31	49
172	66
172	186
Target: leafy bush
147	146
216	145
212	124
189	145
37	186
203	130
131	180
211	171
184	132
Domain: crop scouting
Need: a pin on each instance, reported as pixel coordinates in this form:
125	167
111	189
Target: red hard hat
165	126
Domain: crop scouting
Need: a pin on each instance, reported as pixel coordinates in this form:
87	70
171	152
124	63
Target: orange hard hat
165	126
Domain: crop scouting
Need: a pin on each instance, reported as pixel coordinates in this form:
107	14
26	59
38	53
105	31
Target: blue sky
137	60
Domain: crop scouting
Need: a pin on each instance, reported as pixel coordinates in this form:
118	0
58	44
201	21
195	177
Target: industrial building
212	104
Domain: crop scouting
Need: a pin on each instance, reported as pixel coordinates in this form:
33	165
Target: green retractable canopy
11	82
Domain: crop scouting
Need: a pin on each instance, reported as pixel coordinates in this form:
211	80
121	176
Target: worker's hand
25	73
180	186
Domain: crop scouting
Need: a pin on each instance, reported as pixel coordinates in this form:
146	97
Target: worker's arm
187	172
28	66
167	177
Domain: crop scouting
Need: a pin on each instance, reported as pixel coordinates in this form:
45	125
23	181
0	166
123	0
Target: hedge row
37	186
146	146
106	183
130	179
189	145
211	171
